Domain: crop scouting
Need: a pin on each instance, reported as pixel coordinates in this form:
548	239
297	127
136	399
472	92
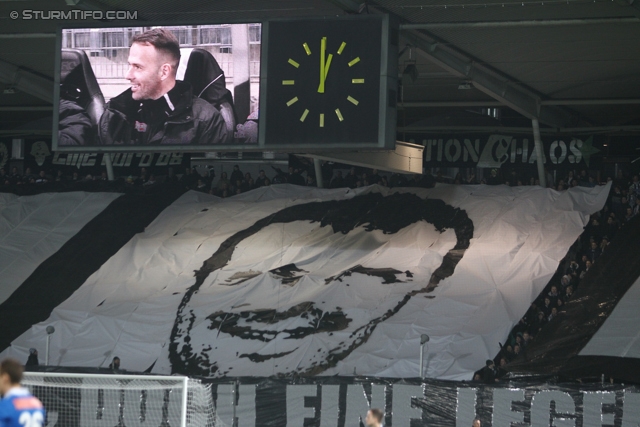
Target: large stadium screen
158	88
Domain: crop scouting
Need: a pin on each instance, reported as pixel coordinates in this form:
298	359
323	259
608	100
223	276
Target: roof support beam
26	81
448	130
633	4
493	104
349	6
529	23
28	36
435	104
498	87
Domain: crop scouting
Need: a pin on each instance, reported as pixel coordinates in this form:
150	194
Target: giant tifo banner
290	280
344	402
494	150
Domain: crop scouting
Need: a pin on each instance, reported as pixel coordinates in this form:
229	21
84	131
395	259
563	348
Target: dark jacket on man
179	120
74	125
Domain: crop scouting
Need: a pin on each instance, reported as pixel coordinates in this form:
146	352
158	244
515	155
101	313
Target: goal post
93	400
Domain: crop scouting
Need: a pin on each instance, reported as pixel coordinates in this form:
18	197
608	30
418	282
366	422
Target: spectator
508	353
223	183
364	178
586	269
171	176
236	175
375	178
594	252
15	177
262	177
568	293
249	181
502	369
32	360
516	350
337	181
493	178
611	228
572	271
240	187
634	189
553	295
143	178
201	186
351	179
636	208
398	180
624	204
629	215
546	307
207	178
295	177
538	323
189	179
280	177
489	373
115	364
151	181
417	181
42	178
28	177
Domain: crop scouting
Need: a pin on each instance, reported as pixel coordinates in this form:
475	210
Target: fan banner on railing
38	155
289	280
495	150
344	402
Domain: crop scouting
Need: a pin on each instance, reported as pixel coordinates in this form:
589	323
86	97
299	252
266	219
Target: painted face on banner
298	290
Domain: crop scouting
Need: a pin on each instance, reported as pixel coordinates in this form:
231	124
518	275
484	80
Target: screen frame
387	114
143	148
388	86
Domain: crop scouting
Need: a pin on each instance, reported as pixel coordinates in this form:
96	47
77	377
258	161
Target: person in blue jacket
18	407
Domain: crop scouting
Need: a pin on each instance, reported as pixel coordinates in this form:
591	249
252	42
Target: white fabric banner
32	228
290	279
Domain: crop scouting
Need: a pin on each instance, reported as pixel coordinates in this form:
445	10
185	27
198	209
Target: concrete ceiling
527	55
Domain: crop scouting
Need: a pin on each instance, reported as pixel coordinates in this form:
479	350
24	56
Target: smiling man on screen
158	109
18	408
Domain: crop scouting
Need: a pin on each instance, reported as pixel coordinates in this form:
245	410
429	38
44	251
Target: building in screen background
221	63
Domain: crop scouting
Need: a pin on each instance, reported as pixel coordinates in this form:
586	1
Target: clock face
323	82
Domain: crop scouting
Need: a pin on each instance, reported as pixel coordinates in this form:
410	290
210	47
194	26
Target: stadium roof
572	63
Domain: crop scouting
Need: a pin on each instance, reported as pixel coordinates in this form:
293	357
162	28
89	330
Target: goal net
87	400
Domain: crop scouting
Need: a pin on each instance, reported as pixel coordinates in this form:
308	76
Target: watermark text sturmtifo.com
74	14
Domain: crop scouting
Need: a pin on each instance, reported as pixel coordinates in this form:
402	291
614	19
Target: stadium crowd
622	205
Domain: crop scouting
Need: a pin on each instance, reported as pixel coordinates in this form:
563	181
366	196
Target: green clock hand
324	64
